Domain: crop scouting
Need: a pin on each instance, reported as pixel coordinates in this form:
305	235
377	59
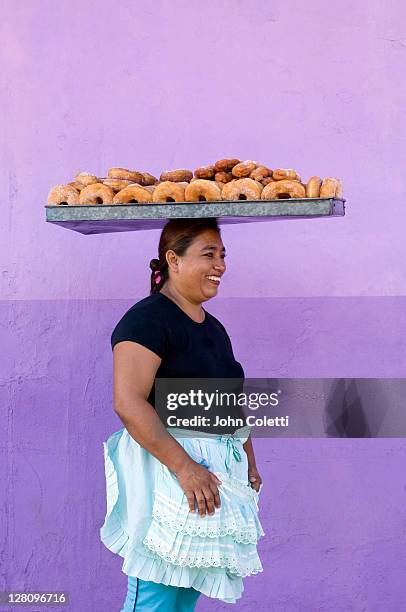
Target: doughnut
313	187
177	176
260	173
224	177
205	172
339	190
225	165
133	194
128	175
243	189
202	190
168	191
149	188
267	180
96	194
77	185
85	178
148	179
283	189
117	184
220	185
63	195
244	168
284	173
328	187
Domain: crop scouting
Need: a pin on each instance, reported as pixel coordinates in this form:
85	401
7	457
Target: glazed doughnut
202	190
244	168
127	175
132	195
339	190
148	179
205	172
96	194
117	184
224	177
225	165
168	191
328	187
77	185
284	173
85	178
283	189
176	176
63	195
313	187
243	189
260	173
267	180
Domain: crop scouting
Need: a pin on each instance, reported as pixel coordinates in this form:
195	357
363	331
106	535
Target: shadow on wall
360	408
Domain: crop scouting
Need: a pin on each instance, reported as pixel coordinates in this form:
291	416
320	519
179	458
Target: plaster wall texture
317	87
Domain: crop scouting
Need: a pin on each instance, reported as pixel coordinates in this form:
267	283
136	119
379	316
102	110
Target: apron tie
232	450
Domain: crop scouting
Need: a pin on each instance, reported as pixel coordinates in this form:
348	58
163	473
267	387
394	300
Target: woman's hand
254	477
199	483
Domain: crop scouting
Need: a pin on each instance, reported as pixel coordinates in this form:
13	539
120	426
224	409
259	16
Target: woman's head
189	251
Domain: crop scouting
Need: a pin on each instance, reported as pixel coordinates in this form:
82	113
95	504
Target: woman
182	510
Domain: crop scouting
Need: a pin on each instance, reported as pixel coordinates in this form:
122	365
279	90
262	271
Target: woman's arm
135	368
249	449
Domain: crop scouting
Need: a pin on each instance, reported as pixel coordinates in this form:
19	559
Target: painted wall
317	87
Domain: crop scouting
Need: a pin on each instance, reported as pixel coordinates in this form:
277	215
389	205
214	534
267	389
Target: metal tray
102	219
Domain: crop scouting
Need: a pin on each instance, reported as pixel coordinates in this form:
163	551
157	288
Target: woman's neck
195	311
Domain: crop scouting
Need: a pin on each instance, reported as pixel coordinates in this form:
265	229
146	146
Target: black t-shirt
188	349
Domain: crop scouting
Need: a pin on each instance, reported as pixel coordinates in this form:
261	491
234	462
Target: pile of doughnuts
226	179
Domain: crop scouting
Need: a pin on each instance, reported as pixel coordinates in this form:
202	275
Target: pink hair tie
157	277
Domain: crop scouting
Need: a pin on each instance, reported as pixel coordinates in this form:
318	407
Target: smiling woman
158	475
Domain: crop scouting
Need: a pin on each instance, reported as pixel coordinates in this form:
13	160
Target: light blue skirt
149	524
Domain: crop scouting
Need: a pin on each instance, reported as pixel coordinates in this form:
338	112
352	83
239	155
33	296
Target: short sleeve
139	325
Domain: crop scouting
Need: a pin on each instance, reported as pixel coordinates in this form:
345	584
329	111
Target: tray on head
102	218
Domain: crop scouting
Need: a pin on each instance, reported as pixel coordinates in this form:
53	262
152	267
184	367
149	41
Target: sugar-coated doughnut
266	180
205	172
85	178
96	194
328	187
224	177
283	189
169	191
242	189
177	176
63	195
202	190
132	195
244	168
313	187
225	165
260	173
281	174
148	179
127	175
117	184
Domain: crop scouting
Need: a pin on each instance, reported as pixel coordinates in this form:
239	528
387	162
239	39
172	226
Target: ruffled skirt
149	524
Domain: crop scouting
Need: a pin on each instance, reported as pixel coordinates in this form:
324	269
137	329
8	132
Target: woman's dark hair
177	235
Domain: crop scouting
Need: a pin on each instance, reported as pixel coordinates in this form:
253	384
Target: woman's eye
209	254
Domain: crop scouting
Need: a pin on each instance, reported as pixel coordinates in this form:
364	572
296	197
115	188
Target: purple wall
316	87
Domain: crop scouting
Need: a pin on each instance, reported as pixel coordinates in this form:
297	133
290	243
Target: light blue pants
148	596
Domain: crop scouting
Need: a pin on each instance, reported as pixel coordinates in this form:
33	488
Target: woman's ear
173	260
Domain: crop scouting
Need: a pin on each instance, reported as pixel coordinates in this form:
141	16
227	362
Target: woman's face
200	269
